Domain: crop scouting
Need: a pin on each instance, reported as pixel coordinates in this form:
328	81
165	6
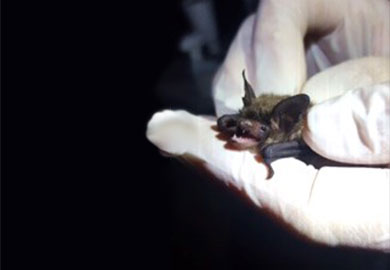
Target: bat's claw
270	172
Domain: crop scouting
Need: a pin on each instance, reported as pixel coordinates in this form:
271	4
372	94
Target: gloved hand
336	206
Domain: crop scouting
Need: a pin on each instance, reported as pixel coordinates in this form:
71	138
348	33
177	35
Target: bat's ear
249	93
289	111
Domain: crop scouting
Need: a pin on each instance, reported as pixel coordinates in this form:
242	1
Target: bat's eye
264	131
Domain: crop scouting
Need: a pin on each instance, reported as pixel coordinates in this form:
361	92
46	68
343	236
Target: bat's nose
228	124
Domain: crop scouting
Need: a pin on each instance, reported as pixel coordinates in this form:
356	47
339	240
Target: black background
82	188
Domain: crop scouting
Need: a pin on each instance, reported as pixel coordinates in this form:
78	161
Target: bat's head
263	117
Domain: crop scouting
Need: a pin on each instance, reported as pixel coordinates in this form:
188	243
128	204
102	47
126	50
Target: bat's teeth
248	123
243	141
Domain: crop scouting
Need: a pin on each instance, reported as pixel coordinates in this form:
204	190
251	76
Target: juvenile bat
270	124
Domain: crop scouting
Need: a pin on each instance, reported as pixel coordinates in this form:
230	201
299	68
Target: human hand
336	206
338	36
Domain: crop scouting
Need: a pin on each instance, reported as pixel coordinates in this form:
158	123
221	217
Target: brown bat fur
266	119
261	110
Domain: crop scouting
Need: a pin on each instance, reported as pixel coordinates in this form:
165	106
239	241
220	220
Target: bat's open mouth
244	141
244	133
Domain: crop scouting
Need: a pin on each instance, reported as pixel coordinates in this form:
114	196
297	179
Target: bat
269	124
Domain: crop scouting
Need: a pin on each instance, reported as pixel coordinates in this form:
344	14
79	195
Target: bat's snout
228	124
243	130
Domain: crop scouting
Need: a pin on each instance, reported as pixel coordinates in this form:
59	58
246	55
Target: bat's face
263	117
244	131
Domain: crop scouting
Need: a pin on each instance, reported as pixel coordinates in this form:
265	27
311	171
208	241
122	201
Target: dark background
82	188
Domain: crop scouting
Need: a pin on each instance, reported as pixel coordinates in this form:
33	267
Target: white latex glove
336	206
